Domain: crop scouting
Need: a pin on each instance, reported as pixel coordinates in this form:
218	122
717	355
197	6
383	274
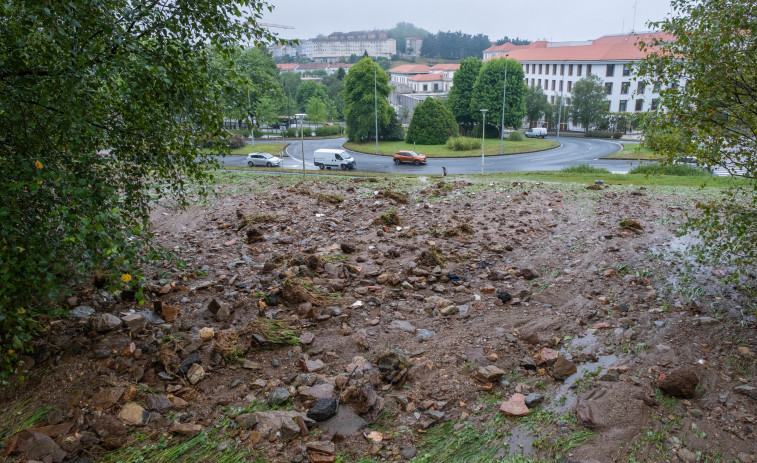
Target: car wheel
417	162
250	163
321	166
396	161
344	167
268	164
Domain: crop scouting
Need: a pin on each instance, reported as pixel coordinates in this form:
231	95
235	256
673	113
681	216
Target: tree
402	31
359	104
308	90
487	92
432	124
536	103
459	99
515	41
317	110
341	73
78	77
454	45
589	105
708	97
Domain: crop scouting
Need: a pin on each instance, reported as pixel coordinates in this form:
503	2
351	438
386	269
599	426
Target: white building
556	67
401	74
338	45
413	46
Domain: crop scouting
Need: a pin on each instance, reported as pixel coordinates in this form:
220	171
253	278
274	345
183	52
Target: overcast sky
555	20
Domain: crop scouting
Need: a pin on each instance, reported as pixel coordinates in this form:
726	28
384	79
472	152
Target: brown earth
421	312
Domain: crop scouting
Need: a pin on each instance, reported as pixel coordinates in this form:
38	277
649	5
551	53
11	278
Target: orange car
409	156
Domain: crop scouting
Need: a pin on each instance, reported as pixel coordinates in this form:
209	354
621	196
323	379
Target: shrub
463	144
491	131
598	134
291	132
327	131
516	136
585	169
245	132
681	170
432	124
257	133
616	135
237	141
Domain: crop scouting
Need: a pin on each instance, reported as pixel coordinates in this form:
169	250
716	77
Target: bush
432	124
680	170
616	135
585	169
257	133
491	131
516	136
245	132
463	144
291	132
237	141
328	131
598	134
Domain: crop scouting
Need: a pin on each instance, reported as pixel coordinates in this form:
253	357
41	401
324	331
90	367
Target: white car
263	159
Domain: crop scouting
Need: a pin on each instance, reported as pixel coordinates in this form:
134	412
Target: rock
515	406
82	312
323	447
706	321
527	274
448	311
111	431
105	322
408	453
170	312
546	355
158	403
504	296
186	429
318	391
247	420
423	335
223	313
747	390
440	304
527	363
311	366
206	334
35	446
282	422
251	365
135	322
402	325
534	399
304	379
563	368
687	455
187	362
107	398
489	374
307	338
322	409
463	311
277	396
195	373
347	248
680	383
132	413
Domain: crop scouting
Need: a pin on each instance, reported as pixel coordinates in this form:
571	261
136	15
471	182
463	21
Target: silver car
263	159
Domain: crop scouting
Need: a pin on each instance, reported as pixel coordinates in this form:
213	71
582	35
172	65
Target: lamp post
375	103
559	108
504	92
300	117
483	138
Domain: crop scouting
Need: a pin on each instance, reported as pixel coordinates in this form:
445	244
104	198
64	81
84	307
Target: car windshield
267	156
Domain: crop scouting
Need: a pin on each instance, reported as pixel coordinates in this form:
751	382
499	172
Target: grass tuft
585	169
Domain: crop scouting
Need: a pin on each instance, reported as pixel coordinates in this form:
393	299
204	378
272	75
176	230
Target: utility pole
504	92
483	138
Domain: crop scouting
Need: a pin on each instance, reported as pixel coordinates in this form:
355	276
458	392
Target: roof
426	77
509	46
287	66
632	38
312	66
410	69
445	67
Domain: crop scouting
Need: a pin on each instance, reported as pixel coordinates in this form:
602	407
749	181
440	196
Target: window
588	69
570	69
540	69
425	87
561	85
532	82
639	105
562	69
608	88
627	69
570	86
546	69
641	88
624	87
654	104
622	105
526	80
610	70
554	69
552	99
538	83
656	88
436	86
527	66
546	84
553	84
580	68
338	158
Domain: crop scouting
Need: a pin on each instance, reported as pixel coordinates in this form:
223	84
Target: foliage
404	30
463	144
536	103
359	104
467	445
585	169
459	99
79	77
515	41
487	92
598	134
492	131
307	91
516	136
432	124
317	110
682	170
328	131
713	116
454	45
588	106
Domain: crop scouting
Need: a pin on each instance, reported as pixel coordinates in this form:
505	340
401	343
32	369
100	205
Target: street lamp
559	108
300	117
483	138
375	103
504	90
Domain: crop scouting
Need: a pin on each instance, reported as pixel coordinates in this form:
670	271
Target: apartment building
338	44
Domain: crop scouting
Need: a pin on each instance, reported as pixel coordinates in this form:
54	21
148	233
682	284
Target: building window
546	84
588	69
580	68
567	101
639	105
656	88
436	86
552	99
527	66
425	87
624	87
622	105
641	88
532	82
610	70
540	69
570	86
627	69
553	84
526	80
554	69
608	88
546	69
562	69
561	85
654	104
538	83
570	69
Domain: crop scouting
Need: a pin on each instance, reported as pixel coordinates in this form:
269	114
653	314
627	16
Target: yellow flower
126	277
11	352
39	182
38	164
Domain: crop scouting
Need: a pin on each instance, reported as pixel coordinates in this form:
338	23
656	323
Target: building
446	70
341	45
497	50
557	66
401	74
310	68
424	83
413	46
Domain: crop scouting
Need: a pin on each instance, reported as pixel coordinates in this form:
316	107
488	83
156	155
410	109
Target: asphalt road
573	151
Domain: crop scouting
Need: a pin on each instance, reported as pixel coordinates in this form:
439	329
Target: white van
537	132
333	159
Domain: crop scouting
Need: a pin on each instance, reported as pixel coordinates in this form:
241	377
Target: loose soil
409	321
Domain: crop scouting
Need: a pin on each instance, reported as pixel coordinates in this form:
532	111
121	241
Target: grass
271	148
274	332
467	445
585	169
679	170
491	148
635	152
19	416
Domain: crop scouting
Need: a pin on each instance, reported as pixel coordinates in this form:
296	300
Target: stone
322	409
408	453
321	458
132	413
282	422
747	390
680	383
504	296
402	325
107	397
251	365
277	396
324	447
687	455
546	355
223	313
706	321
158	402
463	311
135	322
489	374
35	446
311	366
423	335
170	313
105	322
534	399
318	391
515	406
246	420
186	429
195	373
187	362
110	430
207	333
347	248
82	312
307	338
563	368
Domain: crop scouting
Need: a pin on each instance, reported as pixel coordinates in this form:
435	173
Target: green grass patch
585	169
677	170
491	148
274	332
635	152
271	148
19	416
467	445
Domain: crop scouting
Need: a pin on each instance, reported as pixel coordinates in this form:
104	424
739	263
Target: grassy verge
271	148
635	152
491	148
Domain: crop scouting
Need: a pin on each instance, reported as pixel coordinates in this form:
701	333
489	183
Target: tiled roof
411	69
287	66
426	77
312	66
508	46
612	52
445	67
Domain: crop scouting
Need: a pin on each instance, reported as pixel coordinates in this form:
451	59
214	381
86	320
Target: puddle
520	441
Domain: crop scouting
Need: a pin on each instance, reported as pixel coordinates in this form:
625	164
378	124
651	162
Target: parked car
409	156
263	159
536	132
